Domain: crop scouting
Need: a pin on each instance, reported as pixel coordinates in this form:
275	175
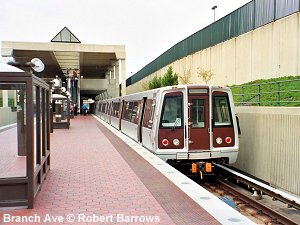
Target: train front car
196	126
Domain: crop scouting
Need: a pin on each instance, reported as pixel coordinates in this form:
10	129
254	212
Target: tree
169	78
206	75
155	82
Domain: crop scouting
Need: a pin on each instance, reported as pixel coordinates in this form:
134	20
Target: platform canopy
65	54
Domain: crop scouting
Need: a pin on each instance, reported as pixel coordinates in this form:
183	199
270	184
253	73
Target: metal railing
279	93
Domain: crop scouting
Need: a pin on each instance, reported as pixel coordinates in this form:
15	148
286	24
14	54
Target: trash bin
57	118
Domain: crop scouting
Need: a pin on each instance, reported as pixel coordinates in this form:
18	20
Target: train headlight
228	140
176	142
219	140
165	142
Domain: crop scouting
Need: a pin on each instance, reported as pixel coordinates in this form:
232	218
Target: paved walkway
10	165
90	178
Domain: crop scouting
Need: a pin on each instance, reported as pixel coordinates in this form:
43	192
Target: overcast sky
146	27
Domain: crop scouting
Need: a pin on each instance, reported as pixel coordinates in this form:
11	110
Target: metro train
183	124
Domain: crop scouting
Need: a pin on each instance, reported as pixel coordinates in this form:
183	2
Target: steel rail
276	194
276	217
290	200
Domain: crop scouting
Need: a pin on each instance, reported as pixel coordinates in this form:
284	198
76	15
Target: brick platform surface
89	176
11	165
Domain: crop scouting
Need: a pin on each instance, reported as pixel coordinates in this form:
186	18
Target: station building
71	73
86	70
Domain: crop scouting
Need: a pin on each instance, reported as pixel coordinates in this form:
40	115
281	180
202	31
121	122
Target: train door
198	119
148	125
141	116
106	112
109	112
122	105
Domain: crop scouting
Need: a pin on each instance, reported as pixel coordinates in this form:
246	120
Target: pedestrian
84	109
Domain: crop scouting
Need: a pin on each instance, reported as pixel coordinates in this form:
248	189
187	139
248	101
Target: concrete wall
7	117
269	51
270	145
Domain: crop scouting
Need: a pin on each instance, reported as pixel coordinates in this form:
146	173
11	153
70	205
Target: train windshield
222	115
172	112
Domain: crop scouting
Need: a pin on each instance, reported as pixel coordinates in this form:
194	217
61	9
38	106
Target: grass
283	91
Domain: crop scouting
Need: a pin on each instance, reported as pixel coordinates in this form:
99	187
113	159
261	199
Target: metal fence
279	93
248	17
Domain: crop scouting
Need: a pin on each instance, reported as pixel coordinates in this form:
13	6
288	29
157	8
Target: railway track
226	185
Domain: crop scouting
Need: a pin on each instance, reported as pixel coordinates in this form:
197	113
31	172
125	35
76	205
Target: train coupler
204	168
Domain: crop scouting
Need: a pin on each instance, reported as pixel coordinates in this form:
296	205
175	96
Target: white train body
179	123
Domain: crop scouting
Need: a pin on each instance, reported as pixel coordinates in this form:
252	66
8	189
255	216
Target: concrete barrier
270	145
267	52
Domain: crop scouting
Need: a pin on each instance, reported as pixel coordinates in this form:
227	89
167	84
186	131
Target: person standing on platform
84	109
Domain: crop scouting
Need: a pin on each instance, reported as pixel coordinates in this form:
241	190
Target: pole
214	9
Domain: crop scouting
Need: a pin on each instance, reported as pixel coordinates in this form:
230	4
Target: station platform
100	176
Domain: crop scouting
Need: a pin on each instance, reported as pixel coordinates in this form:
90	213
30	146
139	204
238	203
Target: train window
103	107
198	91
131	111
112	111
222	115
135	112
148	115
127	111
108	109
115	109
172	112
198	113
151	113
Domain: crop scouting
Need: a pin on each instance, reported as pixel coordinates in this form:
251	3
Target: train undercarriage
197	168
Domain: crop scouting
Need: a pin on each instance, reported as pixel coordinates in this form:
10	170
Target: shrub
155	83
169	78
206	75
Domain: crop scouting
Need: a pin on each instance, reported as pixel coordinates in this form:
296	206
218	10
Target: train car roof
148	93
